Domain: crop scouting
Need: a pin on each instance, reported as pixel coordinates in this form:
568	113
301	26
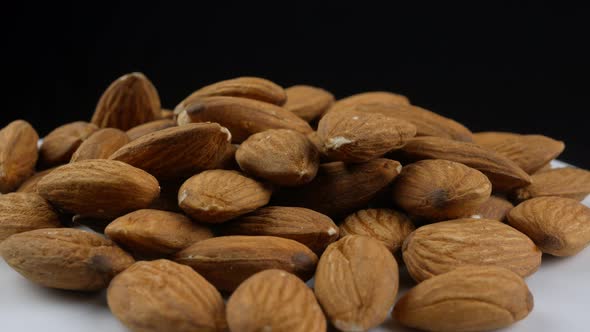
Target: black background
514	66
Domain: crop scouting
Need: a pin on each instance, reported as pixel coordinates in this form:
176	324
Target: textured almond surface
441	247
165	296
149	127
282	156
274	300
566	182
30	184
494	208
468	299
101	144
307	102
440	189
18	154
22	212
61	143
65	258
559	226
356	283
369	98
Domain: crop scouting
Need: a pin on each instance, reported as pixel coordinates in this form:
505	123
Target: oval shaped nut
61	143
370	98
153	233
99	188
308	102
440	189
494	208
65	258
274	300
558	226
217	196
565	182
129	101
356	283
18	154
357	137
162	295
305	226
101	144
245	256
149	127
444	246
281	156
177	152
22	212
386	225
468	299
243	117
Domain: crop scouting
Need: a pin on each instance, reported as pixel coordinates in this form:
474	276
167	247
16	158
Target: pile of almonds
247	190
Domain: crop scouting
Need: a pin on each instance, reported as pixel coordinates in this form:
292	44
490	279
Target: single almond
370	98
566	182
61	143
18	154
308	102
22	212
101	144
494	208
149	127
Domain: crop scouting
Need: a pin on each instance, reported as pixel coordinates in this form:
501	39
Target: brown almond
61	143
30	185
22	212
494	208
566	182
149	127
101	144
18	154
370	98
308	102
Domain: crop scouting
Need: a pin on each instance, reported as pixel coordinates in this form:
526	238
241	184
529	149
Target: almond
61	143
245	256
566	182
65	258
494	208
166	114
164	296
370	98
149	127
18	154
101	144
441	247
22	212
274	300
356	283
308	102
559	226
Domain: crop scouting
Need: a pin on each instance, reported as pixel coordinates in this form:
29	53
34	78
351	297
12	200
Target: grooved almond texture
559	226
65	258
22	212
162	295
61	143
494	208
441	247
149	127
245	256
566	182
368	99
307	102
18	154
101	144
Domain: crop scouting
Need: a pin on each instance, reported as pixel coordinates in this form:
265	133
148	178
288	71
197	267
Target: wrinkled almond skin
18	154
274	300
369	98
177	152
128	102
30	185
441	247
149	127
356	283
162	295
565	182
99	188
308	102
65	258
22	212
243	117
100	145
305	226
440	189
281	156
217	196
61	143
558	226
494	208
154	233
357	137
468	299
245	256
388	226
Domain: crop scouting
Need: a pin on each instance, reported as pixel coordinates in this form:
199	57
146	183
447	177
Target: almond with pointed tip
149	127
495	208
18	154
22	212
566	182
308	102
101	144
61	143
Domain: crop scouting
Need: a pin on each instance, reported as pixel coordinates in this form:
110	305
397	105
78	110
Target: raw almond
494	208
441	247
101	144
566	182
18	154
245	256
149	127
370	98
356	283
60	144
274	300
308	102
22	212
30	185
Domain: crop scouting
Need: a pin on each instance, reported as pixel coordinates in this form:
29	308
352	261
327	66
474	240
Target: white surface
561	289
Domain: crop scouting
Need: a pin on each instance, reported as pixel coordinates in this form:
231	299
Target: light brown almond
370	98
22	212
566	182
18	154
308	102
101	144
494	208
61	143
149	127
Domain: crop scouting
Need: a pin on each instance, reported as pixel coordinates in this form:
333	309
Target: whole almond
245	256
566	182
99	188
281	156
22	212
440	189
441	247
243	117
308	102
494	208
558	226
65	258
30	185
154	233
149	127
101	144
60	144
468	299
258	304
305	226
129	101
165	296
18	154
356	283
370	98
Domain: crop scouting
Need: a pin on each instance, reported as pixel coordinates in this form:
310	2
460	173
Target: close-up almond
22	212
61	143
18	154
566	182
101	144
308	102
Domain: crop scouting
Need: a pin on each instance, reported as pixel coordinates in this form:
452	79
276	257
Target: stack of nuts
248	190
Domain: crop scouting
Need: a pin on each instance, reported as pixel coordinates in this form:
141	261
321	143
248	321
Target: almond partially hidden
566	182
18	154
356	283
494	208
308	102
149	127
165	296
441	247
30	185
468	299
259	305
370	98
559	226
281	156
101	144
61	143
65	258
22	212
245	256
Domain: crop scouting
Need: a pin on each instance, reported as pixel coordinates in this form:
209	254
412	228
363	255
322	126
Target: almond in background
61	143
308	102
149	127
18	154
101	144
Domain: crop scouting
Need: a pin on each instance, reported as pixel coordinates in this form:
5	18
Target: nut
18	154
149	127
307	102
565	182
21	212
101	144
494	208
61	143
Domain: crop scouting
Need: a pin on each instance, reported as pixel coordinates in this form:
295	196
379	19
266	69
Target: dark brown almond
18	154
60	144
308	102
566	182
494	208
149	127
101	144
22	212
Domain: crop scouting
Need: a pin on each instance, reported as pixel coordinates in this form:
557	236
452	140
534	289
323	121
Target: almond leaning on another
22	212
565	182
101	144
494	208
61	143
30	185
149	127
307	102
18	154
369	98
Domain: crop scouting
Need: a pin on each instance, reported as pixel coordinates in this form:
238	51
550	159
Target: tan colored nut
18	154
149	127
60	144
565	182
22	212
368	99
101	144
308	102
494	208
